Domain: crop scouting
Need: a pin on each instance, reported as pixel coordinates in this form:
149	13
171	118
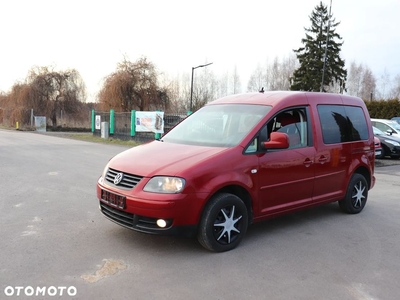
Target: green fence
122	125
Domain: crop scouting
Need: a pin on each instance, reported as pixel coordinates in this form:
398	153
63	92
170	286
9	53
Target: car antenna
261	90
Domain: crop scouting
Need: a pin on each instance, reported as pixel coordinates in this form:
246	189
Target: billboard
149	121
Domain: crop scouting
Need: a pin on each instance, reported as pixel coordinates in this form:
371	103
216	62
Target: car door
342	137
286	175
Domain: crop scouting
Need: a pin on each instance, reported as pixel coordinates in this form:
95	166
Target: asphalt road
55	242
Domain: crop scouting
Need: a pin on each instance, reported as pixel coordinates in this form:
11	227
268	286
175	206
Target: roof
386	121
286	98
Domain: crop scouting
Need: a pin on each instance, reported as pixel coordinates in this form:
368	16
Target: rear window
341	124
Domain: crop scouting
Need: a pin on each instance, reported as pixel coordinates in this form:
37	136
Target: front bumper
141	210
144	224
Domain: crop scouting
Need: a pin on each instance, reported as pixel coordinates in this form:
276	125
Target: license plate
377	153
113	199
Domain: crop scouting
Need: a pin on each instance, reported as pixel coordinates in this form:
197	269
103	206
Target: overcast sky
176	35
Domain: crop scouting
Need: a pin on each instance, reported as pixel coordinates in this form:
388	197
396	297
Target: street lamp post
191	85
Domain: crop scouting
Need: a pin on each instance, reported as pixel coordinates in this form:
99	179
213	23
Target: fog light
161	223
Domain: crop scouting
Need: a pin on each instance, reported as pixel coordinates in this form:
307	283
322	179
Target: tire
356	195
384	152
224	223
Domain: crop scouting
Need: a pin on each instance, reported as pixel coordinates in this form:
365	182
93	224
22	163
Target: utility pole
326	47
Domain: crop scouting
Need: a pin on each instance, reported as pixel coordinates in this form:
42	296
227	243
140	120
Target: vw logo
118	178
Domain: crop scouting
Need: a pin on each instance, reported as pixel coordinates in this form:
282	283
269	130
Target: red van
242	159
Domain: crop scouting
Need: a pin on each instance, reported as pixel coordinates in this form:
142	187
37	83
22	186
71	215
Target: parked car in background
397	119
389	127
378	147
390	144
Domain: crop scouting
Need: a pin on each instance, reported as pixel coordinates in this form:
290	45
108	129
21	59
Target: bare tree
54	91
235	83
178	90
395	91
205	88
177	93
13	106
257	80
354	79
222	89
133	86
361	82
280	72
368	84
384	85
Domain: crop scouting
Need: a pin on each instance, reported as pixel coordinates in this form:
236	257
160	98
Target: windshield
394	124
217	125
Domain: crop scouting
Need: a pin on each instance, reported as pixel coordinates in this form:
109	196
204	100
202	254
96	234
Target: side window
382	126
252	148
341	124
334	124
294	123
358	123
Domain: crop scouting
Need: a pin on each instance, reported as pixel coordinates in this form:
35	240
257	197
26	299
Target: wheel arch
385	150
238	191
362	170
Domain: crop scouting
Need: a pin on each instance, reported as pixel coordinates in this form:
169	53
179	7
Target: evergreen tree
309	76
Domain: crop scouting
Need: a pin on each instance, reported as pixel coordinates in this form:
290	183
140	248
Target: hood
161	158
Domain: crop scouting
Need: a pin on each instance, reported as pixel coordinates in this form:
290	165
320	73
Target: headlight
392	142
167	185
103	176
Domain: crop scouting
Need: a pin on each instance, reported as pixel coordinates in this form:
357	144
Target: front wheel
223	224
356	195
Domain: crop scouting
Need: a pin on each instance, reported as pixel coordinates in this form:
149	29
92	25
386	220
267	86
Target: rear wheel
356	195
223	224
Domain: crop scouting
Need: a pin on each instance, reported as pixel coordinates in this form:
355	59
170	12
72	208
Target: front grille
128	181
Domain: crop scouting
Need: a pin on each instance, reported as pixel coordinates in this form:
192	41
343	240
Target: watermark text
10	291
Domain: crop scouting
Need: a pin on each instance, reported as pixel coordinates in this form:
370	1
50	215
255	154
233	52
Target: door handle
322	159
307	162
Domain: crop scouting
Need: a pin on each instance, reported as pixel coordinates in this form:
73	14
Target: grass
97	139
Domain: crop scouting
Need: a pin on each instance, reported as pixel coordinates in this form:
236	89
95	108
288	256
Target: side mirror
389	132
277	140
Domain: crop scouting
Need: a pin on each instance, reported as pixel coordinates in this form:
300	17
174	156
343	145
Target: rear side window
341	124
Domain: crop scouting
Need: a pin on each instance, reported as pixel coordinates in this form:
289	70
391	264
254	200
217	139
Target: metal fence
122	126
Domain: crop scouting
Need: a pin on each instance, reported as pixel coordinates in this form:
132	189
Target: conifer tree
311	72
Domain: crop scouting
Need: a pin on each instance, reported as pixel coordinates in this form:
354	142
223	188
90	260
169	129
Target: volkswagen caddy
242	159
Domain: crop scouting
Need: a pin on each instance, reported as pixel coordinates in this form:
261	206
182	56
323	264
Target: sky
176	35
